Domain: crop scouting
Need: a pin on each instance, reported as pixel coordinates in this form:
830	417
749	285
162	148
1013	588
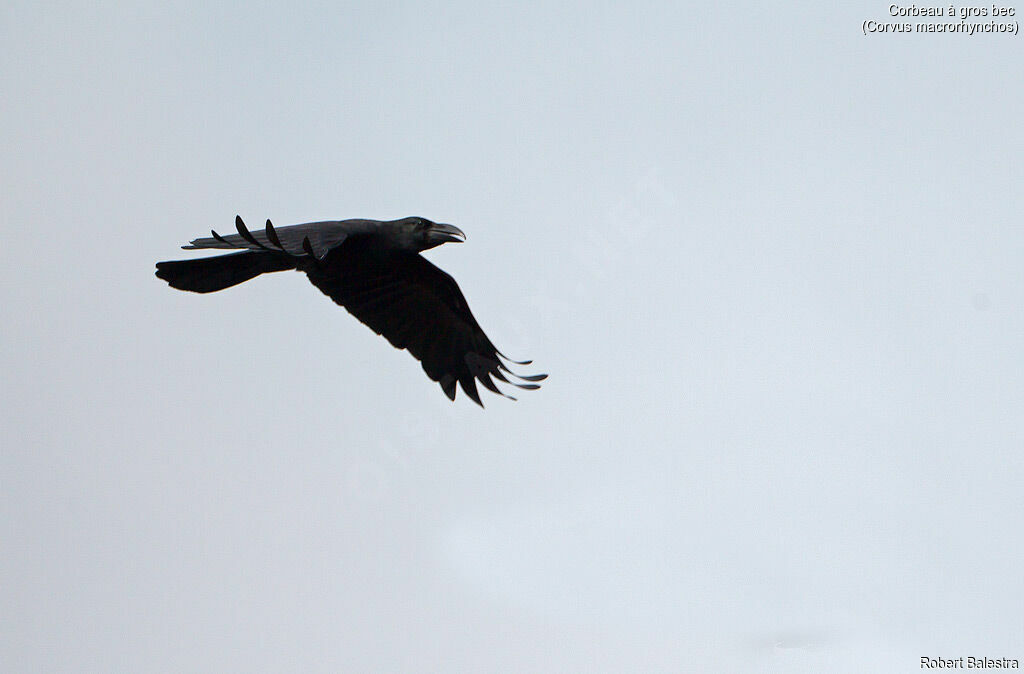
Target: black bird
374	269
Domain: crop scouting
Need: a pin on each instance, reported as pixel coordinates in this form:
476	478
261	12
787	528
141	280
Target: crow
374	269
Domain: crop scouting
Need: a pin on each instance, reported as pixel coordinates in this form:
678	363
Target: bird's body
373	269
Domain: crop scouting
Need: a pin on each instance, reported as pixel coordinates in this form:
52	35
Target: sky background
772	265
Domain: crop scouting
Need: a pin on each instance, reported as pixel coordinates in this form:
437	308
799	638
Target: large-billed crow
374	269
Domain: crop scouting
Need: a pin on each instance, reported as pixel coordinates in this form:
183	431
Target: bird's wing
322	236
418	307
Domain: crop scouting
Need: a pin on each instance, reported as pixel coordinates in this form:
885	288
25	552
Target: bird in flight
374	269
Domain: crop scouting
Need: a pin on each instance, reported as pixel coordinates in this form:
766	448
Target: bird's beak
443	233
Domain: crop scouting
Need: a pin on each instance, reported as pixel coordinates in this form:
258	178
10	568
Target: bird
373	269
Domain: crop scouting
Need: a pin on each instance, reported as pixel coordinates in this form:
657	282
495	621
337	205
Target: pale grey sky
772	265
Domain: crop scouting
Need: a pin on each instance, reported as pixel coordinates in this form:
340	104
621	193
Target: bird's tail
210	274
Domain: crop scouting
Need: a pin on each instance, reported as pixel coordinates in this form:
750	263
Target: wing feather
323	236
416	306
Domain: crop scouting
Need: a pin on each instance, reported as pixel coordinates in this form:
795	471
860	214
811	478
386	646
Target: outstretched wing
322	236
417	307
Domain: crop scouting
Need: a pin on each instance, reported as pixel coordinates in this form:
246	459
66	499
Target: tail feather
210	274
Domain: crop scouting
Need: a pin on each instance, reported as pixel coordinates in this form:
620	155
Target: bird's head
420	234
